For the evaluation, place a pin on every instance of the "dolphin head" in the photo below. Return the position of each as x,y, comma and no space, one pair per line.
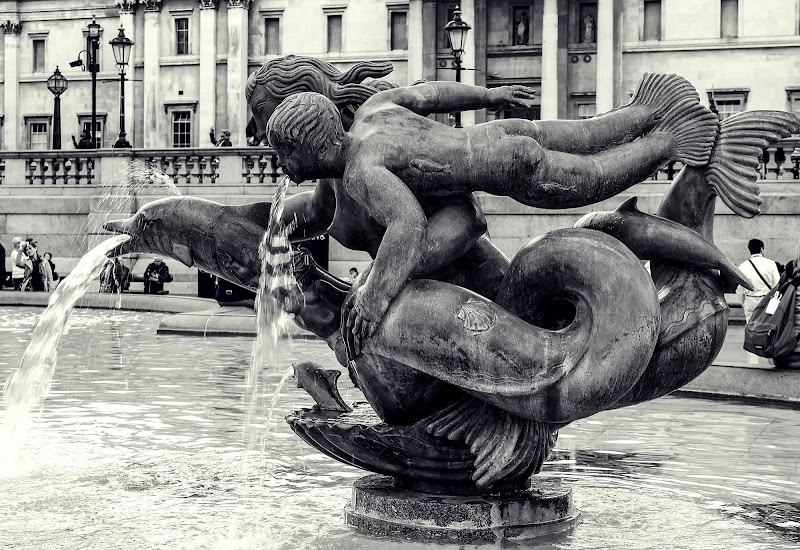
159,227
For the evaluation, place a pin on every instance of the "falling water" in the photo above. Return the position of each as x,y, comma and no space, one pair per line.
30,383
269,347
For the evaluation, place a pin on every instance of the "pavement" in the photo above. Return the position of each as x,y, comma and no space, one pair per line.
730,375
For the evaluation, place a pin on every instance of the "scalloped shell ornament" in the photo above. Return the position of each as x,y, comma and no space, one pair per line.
476,315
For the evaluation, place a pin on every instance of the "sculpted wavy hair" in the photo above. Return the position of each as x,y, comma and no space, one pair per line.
306,117
291,74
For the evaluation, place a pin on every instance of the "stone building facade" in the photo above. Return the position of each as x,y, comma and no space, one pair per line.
191,57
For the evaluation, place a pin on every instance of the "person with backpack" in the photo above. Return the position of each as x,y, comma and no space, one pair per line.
763,276
792,273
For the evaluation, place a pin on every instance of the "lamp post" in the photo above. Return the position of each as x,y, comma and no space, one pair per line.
457,32
57,84
94,37
122,46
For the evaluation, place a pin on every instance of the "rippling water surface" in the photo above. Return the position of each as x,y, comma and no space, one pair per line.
139,445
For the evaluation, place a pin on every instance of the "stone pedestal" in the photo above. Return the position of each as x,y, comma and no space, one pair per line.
381,508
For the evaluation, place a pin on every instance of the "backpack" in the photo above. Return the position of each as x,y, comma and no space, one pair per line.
770,332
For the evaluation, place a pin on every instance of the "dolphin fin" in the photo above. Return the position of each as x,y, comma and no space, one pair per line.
630,205
732,168
183,254
321,385
502,443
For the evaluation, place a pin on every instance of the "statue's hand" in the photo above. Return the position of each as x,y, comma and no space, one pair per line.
513,96
364,311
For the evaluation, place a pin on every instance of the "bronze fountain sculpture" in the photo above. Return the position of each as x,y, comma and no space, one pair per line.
471,362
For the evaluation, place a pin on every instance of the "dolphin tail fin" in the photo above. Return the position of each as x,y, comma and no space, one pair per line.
679,112
734,160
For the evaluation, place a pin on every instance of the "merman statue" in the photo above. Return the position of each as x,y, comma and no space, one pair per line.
467,389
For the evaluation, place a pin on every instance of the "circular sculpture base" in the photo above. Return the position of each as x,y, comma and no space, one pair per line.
379,507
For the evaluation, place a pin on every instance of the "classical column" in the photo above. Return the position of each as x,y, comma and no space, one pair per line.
237,70
608,12
127,20
11,84
415,41
153,109
206,105
430,38
550,60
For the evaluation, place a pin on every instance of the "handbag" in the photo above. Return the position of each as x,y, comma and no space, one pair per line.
770,332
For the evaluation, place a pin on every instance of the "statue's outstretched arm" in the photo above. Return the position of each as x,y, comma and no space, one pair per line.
447,97
311,212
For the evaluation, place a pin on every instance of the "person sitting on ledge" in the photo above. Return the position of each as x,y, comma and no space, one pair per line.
156,274
393,155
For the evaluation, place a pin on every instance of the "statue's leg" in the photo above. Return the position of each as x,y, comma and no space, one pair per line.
657,96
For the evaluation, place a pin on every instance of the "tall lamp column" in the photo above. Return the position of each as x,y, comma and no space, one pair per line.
457,32
122,46
57,84
94,37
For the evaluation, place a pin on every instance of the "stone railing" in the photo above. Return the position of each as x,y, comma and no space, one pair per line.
212,166
781,162
240,166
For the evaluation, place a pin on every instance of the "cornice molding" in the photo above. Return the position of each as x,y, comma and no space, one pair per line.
11,27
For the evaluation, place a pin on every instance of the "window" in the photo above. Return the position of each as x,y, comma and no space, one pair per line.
398,39
85,123
793,96
520,25
335,33
448,14
181,128
38,52
586,110
38,134
729,18
181,36
728,102
652,20
272,36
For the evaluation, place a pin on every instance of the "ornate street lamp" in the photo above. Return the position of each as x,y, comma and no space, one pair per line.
94,37
457,32
57,84
122,46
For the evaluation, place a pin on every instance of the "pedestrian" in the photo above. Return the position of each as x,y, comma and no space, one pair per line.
353,274
49,259
85,142
792,271
763,276
38,277
3,272
18,259
115,276
156,274
224,140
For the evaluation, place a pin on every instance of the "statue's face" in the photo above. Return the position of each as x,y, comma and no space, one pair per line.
297,161
262,107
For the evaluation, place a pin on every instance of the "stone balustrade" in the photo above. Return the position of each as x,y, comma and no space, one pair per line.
212,166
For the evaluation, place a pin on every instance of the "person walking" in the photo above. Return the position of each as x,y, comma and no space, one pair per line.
763,276
39,276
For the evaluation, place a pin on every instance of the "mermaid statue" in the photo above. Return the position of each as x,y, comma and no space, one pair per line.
471,362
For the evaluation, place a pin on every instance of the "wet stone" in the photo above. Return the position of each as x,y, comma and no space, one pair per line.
379,507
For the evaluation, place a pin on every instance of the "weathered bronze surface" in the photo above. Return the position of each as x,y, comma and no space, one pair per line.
470,363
